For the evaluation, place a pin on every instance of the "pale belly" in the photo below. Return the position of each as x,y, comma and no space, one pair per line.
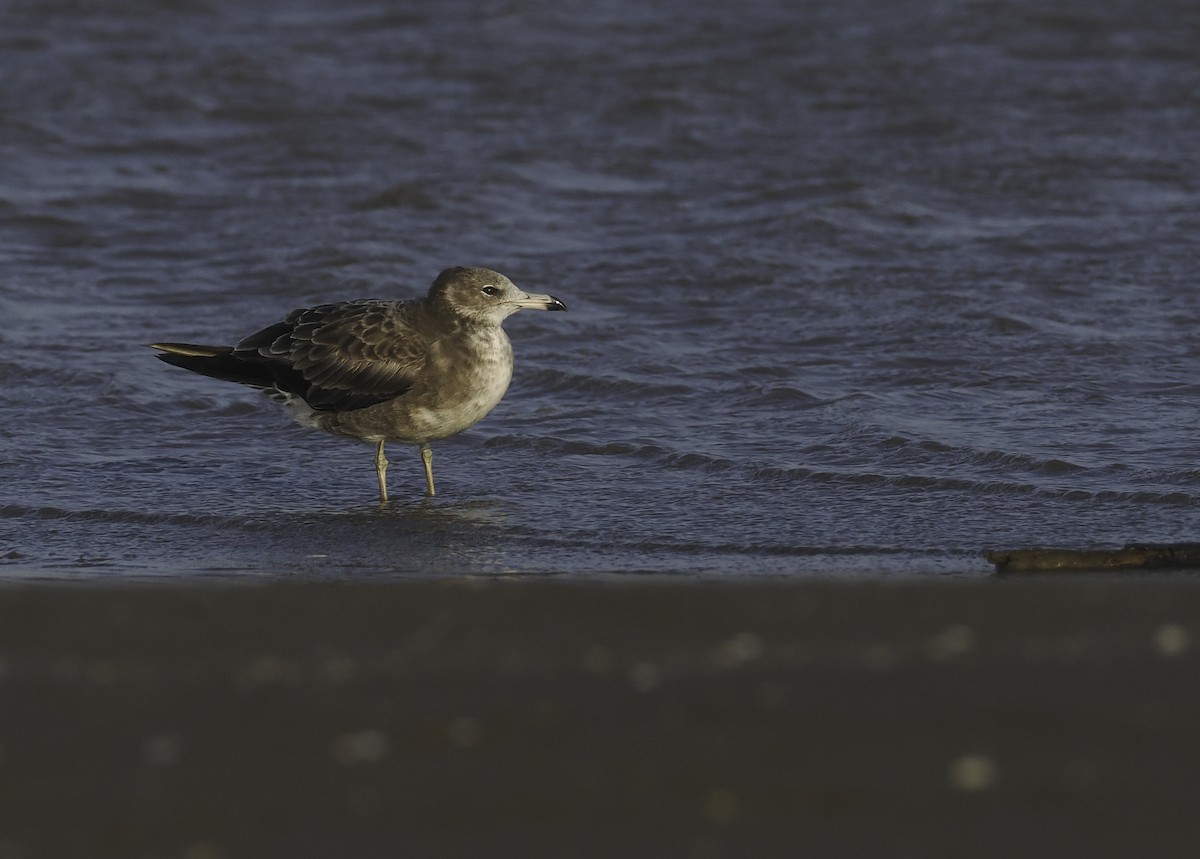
441,414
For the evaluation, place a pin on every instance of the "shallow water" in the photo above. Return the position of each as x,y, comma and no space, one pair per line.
855,288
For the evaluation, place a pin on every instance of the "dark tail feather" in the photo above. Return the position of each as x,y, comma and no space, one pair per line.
218,362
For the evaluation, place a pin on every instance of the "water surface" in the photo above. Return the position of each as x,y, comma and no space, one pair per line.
856,288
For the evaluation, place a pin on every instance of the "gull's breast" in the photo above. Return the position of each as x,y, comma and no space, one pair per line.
464,379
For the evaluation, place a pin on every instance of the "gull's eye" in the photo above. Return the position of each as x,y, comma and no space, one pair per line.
491,290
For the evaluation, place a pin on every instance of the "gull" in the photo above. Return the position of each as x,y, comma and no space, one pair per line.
413,371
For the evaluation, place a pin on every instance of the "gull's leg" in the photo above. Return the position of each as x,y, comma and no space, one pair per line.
381,465
427,459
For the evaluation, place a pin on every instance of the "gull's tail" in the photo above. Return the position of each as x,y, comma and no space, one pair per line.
219,362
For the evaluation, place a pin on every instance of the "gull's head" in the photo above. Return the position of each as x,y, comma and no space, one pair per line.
484,296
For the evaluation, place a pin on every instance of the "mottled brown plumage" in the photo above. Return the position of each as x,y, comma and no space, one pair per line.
410,371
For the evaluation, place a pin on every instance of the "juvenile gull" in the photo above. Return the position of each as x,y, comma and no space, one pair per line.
411,371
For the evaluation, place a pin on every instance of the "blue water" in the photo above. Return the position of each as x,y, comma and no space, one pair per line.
856,289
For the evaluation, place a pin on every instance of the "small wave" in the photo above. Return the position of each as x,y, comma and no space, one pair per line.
117,517
1052,466
563,178
550,444
652,105
908,448
560,380
210,406
146,199
966,485
146,147
53,374
695,548
54,231
402,196
655,453
926,482
778,396
700,461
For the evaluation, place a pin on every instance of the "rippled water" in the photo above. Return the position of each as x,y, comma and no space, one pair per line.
855,287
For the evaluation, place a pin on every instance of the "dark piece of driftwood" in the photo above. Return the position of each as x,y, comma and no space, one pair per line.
1133,556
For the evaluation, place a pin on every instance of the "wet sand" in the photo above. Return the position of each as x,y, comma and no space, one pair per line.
997,717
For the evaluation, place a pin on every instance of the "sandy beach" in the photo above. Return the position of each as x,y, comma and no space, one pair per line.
998,717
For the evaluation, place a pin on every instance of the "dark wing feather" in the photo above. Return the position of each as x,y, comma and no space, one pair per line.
341,357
